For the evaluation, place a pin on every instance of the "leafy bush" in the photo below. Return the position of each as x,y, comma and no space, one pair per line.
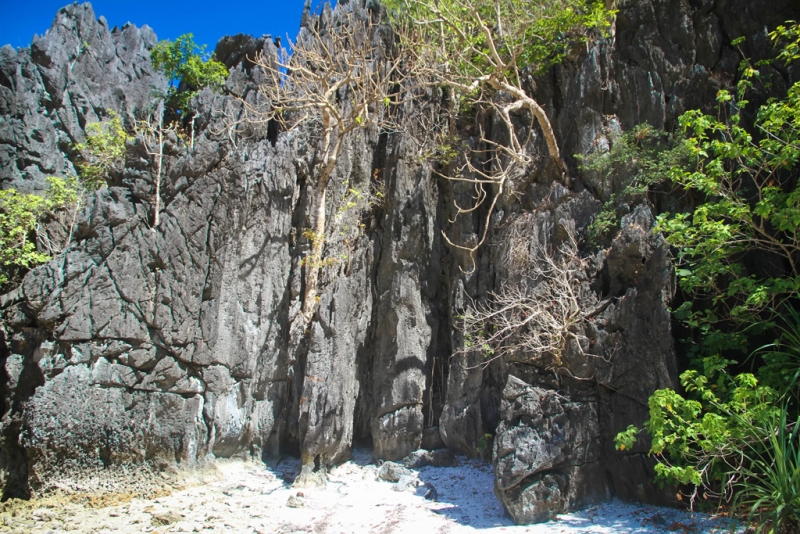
729,437
188,69
747,180
20,215
753,204
736,435
102,152
780,360
769,484
23,244
536,34
638,160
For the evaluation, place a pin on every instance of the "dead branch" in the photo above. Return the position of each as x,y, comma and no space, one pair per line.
153,132
535,316
474,48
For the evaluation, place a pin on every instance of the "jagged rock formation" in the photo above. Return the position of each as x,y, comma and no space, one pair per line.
543,439
66,79
145,343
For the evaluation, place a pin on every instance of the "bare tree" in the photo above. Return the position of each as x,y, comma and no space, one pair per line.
484,52
153,132
338,77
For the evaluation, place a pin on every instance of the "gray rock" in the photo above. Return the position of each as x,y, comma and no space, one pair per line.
406,483
296,501
432,439
165,517
542,440
431,494
310,478
437,458
392,472
68,77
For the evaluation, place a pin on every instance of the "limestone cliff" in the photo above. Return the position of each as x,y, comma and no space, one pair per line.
144,343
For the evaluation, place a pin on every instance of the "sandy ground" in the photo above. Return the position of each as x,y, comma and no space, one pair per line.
238,496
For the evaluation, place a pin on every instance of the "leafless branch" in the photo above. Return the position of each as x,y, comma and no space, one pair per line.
153,132
453,45
534,316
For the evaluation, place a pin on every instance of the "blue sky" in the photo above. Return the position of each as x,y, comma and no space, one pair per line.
21,19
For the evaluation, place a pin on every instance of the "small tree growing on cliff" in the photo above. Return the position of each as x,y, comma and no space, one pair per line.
485,52
154,134
23,243
338,78
102,152
188,70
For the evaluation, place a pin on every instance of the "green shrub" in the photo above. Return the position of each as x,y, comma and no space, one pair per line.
779,361
188,70
734,434
728,437
768,487
20,216
747,181
103,151
637,161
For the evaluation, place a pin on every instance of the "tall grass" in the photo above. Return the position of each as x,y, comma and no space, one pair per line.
768,485
768,480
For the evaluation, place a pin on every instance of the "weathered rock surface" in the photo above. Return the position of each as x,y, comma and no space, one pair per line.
69,77
173,342
546,453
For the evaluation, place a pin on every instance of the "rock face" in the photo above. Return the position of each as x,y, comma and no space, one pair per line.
169,343
69,77
546,453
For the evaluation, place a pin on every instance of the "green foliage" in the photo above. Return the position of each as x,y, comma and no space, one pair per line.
637,160
737,434
449,149
731,436
752,202
698,437
20,215
788,40
484,448
769,487
102,152
536,34
749,182
781,358
627,438
18,220
699,432
188,69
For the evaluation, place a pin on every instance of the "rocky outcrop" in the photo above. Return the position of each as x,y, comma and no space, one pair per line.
69,77
168,343
546,453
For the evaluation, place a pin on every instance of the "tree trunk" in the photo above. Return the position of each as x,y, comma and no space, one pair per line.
159,157
330,151
541,117
314,259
